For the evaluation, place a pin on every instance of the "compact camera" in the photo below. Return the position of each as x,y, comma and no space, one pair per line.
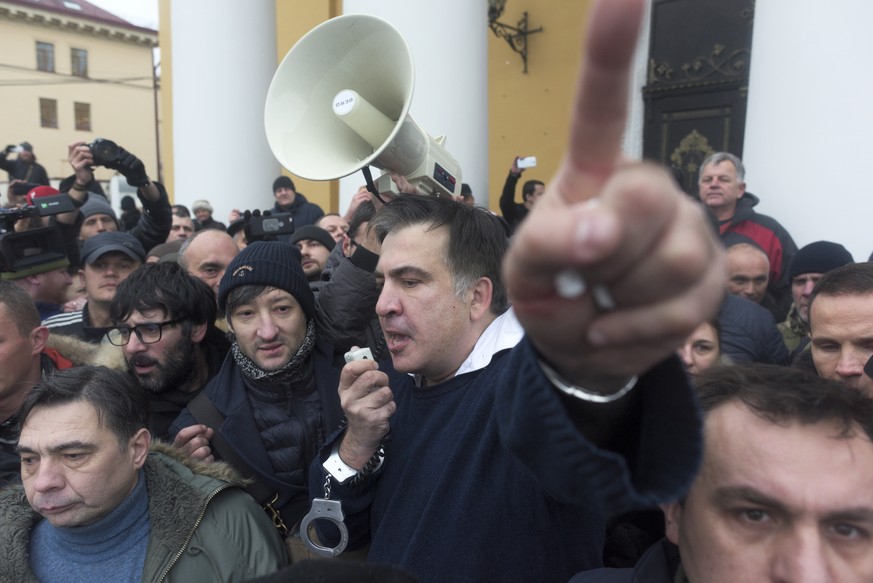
528,162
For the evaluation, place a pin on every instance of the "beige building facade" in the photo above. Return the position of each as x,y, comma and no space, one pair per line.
70,71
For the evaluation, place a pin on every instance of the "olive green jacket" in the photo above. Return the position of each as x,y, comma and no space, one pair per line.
204,527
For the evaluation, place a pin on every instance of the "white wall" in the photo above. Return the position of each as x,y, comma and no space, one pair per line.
810,119
632,144
224,57
449,49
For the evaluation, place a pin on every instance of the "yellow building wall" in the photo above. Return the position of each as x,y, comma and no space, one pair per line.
293,20
122,109
166,109
528,113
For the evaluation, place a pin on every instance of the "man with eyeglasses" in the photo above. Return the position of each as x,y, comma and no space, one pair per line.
276,391
165,325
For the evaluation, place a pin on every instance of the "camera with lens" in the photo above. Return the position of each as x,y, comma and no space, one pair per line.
104,151
267,226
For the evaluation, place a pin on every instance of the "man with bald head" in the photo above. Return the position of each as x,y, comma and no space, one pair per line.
748,269
207,254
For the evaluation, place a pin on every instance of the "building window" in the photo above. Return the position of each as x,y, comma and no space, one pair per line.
79,60
48,112
83,116
45,57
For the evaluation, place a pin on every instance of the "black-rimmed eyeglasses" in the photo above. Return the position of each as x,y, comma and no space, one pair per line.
147,332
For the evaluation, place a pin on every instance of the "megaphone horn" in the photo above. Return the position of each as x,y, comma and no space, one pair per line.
340,101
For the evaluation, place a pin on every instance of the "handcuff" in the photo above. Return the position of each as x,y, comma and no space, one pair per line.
332,511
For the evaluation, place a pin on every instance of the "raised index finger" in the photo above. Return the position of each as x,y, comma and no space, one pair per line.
600,109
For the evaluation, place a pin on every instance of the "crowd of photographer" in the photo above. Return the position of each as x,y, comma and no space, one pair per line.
446,394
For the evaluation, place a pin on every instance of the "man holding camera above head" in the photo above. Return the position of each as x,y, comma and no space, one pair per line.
24,167
531,192
154,224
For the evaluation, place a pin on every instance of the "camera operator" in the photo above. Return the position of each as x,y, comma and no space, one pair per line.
29,218
154,224
24,167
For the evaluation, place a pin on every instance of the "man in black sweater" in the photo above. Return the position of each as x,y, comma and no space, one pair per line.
496,441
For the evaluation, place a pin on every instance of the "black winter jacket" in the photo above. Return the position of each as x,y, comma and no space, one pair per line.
227,392
749,332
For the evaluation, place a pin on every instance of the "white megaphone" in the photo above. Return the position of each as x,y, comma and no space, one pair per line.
339,101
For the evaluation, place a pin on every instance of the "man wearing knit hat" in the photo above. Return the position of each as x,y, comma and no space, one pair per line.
288,200
107,259
805,270
315,245
203,211
841,325
276,393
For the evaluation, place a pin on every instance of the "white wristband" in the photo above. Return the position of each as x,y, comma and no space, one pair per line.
336,467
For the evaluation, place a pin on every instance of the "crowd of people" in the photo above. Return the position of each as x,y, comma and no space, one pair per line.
183,399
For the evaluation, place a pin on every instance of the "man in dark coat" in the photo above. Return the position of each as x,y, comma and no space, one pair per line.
276,391
288,200
164,321
25,166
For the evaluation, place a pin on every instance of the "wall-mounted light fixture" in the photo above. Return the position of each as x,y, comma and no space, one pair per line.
515,36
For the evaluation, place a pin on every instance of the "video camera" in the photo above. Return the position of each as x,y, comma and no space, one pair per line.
24,249
266,226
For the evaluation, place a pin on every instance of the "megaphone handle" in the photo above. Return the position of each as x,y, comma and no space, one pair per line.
371,186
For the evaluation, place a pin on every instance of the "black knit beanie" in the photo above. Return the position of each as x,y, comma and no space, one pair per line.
283,182
314,233
272,263
819,257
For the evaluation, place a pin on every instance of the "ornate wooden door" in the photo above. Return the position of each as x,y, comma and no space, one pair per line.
698,81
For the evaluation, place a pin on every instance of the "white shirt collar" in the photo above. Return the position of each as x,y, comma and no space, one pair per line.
504,332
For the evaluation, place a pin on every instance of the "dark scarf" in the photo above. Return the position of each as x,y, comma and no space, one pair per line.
296,369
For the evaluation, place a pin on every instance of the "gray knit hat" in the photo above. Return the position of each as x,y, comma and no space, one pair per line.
273,263
97,205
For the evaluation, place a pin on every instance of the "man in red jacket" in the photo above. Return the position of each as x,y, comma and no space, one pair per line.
723,191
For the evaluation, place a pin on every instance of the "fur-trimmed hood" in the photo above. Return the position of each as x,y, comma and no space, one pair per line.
77,351
218,470
82,353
